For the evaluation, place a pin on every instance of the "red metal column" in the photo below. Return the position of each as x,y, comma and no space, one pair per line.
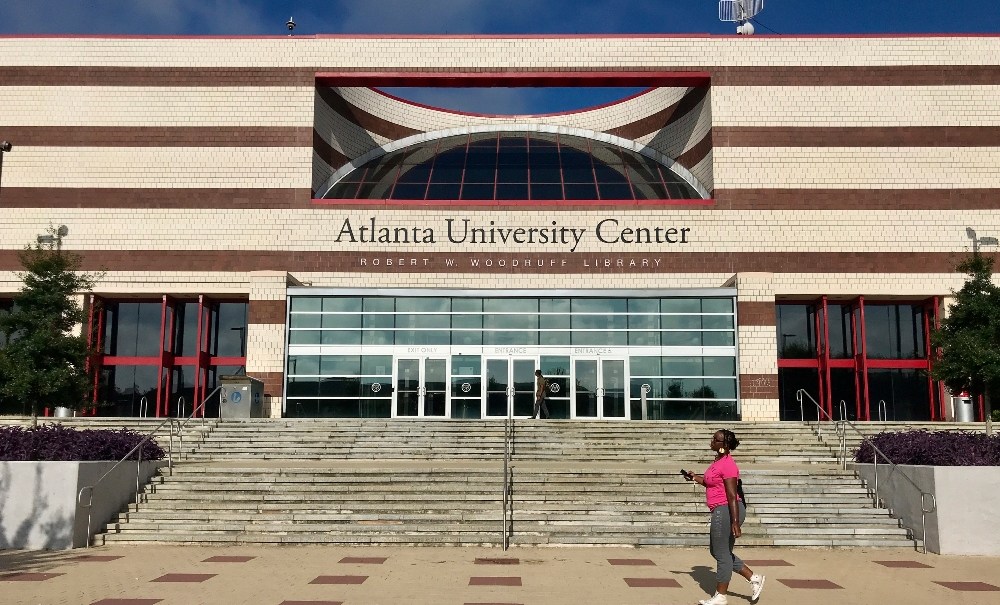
824,362
855,345
863,367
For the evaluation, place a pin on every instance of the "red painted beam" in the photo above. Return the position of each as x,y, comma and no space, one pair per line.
507,79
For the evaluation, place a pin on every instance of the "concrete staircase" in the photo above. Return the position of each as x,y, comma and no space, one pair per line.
432,482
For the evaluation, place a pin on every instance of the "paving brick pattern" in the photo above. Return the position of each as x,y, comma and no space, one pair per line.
146,575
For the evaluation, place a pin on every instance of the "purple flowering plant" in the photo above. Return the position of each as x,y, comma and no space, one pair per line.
51,442
932,448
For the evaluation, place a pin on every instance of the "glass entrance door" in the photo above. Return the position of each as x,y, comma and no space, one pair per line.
599,388
421,388
510,387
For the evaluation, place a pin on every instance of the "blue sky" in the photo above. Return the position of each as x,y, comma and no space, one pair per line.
268,17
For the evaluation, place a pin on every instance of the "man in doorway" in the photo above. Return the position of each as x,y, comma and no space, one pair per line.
541,390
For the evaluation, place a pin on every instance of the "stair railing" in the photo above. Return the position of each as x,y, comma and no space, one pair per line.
89,489
508,471
928,502
883,411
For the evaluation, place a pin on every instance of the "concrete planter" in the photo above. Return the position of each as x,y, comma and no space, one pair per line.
38,501
966,499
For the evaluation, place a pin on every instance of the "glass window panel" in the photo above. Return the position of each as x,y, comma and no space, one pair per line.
609,175
681,339
510,305
340,337
554,305
377,337
500,321
512,174
466,365
643,305
340,386
680,305
841,344
682,366
467,305
303,387
378,365
447,174
331,365
615,191
546,191
382,305
512,191
404,191
305,320
186,340
644,366
649,190
303,337
444,191
480,174
414,174
596,339
545,174
378,321
599,305
478,191
467,322
716,322
681,191
423,305
717,305
577,191
643,322
231,330
343,190
790,380
796,331
341,320
720,366
554,339
719,388
718,339
303,364
510,338
599,322
583,173
306,303
643,339
680,322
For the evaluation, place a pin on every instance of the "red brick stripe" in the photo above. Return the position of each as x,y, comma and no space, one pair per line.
274,382
857,199
58,197
156,76
266,312
166,136
690,158
750,313
830,136
758,386
502,263
333,158
776,75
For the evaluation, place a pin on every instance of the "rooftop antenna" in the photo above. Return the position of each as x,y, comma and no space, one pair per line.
740,12
290,24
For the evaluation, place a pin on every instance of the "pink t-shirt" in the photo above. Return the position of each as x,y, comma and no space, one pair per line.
715,488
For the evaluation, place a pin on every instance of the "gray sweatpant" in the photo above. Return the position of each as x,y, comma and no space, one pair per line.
722,540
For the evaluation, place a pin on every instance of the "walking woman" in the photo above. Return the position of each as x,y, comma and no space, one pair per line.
724,496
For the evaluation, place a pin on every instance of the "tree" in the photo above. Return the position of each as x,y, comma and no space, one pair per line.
967,344
43,362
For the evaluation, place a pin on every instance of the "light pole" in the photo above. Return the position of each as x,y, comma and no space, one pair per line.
5,146
54,236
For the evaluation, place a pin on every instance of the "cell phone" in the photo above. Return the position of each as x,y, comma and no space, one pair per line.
686,474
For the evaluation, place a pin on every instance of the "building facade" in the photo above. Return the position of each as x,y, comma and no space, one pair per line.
770,216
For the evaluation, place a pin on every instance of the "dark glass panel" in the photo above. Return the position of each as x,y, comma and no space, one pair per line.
904,392
186,329
644,366
409,192
681,339
340,337
545,174
376,365
615,191
894,331
339,365
643,339
340,386
790,380
415,174
843,388
344,190
304,337
377,337
681,322
306,304
478,191
546,191
719,388
133,329
231,330
649,190
512,174
512,191
444,191
581,191
599,339
796,331
717,305
682,366
717,339
841,343
599,305
379,305
480,174
719,366
681,305
303,364
341,320
423,305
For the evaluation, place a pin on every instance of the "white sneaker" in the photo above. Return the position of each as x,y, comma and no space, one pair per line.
717,599
757,583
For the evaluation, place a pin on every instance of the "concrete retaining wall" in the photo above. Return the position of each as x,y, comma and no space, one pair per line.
965,518
38,501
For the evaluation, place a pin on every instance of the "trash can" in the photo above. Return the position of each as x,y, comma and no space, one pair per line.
962,408
241,397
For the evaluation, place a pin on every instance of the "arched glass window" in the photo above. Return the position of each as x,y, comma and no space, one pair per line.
513,166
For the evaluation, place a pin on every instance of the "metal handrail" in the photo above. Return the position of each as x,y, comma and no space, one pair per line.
843,410
883,411
877,502
143,407
89,489
508,471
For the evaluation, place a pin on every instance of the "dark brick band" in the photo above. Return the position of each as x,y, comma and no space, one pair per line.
829,136
856,199
266,312
512,264
755,313
163,136
758,386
